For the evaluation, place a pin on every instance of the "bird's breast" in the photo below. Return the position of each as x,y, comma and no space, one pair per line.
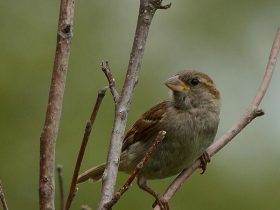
187,136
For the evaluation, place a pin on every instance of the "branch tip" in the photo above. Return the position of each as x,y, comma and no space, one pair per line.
85,207
87,132
59,168
157,4
103,91
167,6
259,112
111,80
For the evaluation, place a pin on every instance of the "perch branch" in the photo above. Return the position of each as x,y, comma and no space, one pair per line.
146,12
87,132
111,80
137,170
253,112
52,118
2,198
61,186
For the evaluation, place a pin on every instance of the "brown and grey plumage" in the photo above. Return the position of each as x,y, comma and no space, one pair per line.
190,118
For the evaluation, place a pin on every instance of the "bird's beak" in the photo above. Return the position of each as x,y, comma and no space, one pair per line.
175,84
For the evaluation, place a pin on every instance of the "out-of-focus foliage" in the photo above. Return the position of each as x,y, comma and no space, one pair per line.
229,40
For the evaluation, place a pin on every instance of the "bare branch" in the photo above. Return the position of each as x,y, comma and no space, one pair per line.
61,186
2,198
269,70
111,80
137,170
52,118
146,12
87,132
252,113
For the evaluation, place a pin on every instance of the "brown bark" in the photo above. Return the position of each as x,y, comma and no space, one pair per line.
52,119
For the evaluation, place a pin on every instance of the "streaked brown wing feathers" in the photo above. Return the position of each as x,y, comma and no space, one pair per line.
147,126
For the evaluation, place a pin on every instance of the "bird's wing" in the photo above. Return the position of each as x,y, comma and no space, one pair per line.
147,126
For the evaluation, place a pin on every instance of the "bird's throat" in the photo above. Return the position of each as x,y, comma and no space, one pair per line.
180,101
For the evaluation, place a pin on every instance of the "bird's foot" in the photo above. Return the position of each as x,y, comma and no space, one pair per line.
163,204
204,159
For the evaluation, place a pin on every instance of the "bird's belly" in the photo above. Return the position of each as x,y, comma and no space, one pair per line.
171,157
182,145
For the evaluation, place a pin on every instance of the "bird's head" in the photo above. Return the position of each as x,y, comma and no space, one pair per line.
193,89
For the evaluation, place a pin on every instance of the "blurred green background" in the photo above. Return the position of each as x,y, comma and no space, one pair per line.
229,40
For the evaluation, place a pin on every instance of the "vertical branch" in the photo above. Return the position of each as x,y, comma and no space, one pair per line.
146,12
2,198
52,118
87,132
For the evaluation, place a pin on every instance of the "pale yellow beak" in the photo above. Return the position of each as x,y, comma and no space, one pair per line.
175,84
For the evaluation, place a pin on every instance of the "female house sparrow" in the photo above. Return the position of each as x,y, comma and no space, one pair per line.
190,118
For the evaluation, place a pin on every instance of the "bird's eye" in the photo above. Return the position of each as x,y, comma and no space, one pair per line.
194,81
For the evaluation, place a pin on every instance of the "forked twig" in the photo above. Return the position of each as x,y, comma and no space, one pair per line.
253,112
145,16
87,132
111,80
137,170
2,198
61,186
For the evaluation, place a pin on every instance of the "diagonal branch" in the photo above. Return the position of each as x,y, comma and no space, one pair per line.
52,118
111,80
2,198
146,12
87,132
253,112
137,170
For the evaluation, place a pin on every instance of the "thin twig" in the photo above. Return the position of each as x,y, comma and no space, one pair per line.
146,12
137,170
111,80
2,198
87,132
61,186
253,112
52,118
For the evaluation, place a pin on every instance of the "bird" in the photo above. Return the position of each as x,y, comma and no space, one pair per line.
190,117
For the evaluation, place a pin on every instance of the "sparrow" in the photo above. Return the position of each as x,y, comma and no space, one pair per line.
190,117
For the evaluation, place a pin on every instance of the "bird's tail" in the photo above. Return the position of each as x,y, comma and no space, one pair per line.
94,174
